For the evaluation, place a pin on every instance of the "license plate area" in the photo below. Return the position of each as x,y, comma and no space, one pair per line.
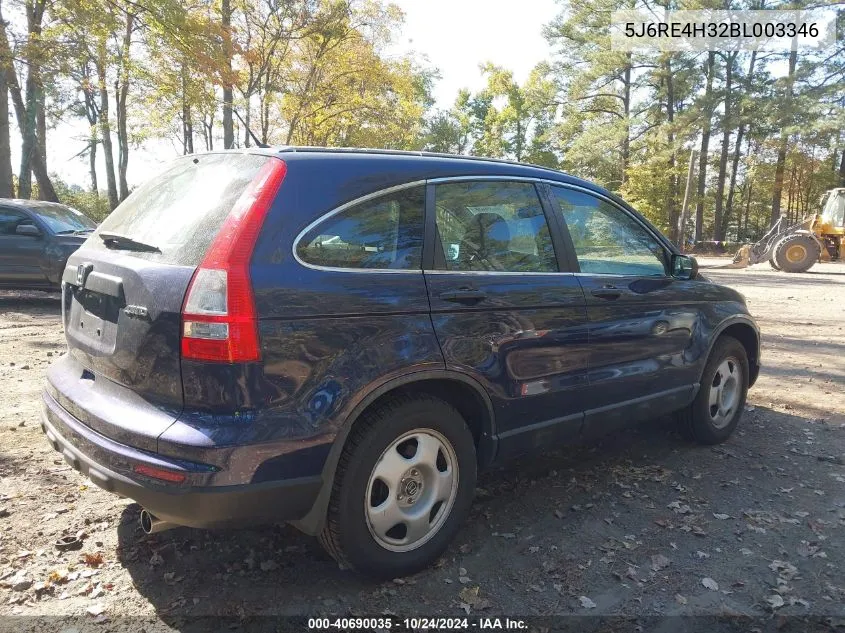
93,319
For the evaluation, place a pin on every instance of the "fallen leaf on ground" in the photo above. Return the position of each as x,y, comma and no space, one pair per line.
721,516
96,609
93,560
470,597
711,584
658,562
775,601
586,602
58,576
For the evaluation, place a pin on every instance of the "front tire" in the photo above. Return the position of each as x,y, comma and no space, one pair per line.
403,487
718,406
796,253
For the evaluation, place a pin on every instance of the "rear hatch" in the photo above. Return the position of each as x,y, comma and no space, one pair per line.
123,293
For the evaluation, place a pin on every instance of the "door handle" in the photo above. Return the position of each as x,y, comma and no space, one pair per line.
464,295
608,292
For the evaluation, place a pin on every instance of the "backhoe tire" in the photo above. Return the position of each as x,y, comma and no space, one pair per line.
796,253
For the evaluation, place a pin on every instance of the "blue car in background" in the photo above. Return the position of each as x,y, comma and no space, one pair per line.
36,239
341,339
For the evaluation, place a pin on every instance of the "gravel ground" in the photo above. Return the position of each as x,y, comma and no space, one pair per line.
642,525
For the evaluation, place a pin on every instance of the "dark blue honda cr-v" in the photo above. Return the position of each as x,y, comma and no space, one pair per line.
341,339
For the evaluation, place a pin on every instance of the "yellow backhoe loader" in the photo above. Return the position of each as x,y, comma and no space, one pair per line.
794,249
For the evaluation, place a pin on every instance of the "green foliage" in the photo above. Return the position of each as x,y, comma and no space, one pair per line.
94,205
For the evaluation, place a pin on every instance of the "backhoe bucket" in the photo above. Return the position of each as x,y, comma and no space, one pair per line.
742,259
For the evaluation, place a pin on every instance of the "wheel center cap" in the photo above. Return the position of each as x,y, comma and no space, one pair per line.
410,487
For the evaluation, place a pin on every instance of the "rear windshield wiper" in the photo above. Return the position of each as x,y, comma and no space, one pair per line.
116,240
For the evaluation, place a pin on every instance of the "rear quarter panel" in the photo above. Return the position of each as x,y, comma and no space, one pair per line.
330,338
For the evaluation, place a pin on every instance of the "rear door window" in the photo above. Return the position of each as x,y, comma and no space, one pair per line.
384,232
181,210
493,226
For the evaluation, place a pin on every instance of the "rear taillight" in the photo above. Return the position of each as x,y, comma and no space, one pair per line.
219,322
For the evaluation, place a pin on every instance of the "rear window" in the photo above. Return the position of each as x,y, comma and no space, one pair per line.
181,210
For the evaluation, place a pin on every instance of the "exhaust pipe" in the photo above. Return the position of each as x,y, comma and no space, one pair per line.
151,524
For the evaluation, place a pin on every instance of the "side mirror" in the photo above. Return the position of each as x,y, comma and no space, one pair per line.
684,267
30,230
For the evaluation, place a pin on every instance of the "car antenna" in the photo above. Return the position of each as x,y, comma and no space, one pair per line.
254,137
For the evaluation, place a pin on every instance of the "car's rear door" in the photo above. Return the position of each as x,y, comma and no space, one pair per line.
505,308
641,320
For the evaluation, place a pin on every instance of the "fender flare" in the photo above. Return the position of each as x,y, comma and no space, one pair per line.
799,232
313,522
736,319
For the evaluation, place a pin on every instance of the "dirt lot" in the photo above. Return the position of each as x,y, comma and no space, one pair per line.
642,525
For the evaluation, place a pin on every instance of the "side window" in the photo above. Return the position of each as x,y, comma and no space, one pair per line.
10,220
606,239
495,226
383,232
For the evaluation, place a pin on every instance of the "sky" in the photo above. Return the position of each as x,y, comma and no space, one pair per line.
459,35
455,35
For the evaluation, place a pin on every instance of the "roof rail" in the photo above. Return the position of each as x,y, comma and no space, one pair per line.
399,152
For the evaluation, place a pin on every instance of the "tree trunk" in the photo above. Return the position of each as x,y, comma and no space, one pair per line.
29,132
92,165
228,127
790,195
739,136
671,199
246,121
208,131
121,93
720,223
33,146
705,146
842,169
187,122
105,126
7,187
45,187
92,115
777,191
626,106
742,222
41,125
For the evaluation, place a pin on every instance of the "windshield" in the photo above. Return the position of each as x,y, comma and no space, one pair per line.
834,209
62,219
179,212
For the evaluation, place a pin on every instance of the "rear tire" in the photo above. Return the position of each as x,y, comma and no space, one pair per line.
796,253
403,487
718,406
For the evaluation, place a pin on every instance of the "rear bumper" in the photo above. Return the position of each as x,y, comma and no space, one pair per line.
195,506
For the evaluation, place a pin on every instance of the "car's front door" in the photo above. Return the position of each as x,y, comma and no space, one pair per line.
20,255
505,309
642,321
